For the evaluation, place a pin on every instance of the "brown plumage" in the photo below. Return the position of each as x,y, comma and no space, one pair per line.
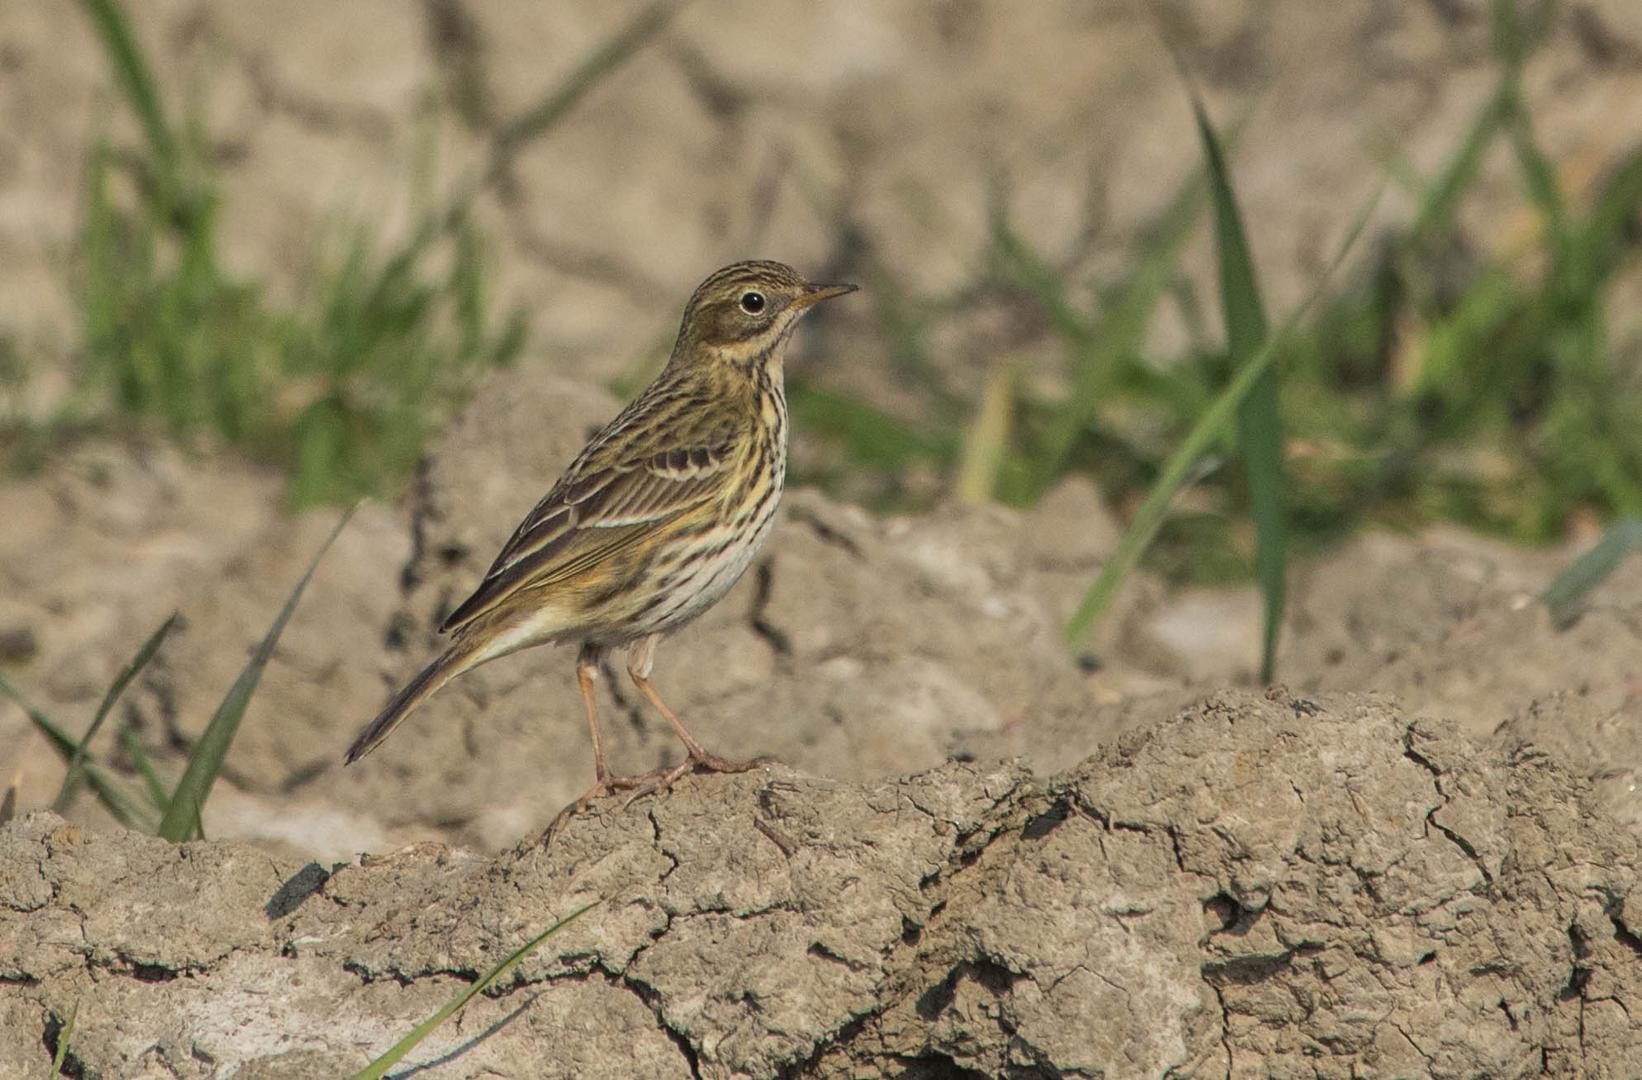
656,518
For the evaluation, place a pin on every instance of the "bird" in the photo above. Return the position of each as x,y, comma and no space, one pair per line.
651,524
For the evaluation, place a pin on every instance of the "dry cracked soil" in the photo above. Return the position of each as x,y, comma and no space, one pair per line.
981,855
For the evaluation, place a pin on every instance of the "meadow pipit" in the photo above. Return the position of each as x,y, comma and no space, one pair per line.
653,522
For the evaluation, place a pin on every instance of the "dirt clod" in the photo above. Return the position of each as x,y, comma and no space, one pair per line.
1238,889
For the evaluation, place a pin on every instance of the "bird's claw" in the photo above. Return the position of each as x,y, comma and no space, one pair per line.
653,782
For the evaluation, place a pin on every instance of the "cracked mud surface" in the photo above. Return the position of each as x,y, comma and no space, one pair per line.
1258,885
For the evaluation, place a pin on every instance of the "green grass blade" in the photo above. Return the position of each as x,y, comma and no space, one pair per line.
1538,174
137,80
187,802
1614,206
152,785
379,1068
986,442
1437,210
63,1038
1565,596
125,807
1181,462
121,681
1259,418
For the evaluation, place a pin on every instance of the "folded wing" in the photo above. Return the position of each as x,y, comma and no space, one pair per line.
595,512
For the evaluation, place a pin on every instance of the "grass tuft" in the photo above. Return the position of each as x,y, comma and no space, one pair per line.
342,388
127,807
1181,463
344,385
151,808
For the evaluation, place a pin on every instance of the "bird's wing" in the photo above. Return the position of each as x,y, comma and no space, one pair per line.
604,504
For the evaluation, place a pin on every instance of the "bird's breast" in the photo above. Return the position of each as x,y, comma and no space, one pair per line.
714,548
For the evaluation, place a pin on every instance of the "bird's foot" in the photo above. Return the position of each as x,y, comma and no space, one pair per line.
659,780
603,788
655,781
607,786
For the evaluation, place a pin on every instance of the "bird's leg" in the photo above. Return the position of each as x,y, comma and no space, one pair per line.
639,662
638,668
587,675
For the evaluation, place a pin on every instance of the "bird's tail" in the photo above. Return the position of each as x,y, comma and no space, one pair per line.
457,659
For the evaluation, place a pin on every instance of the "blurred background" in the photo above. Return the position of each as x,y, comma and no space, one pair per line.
305,238
254,264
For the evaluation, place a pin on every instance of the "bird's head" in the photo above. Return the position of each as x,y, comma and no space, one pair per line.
744,314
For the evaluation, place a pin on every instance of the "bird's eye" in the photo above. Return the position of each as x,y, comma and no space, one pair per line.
752,302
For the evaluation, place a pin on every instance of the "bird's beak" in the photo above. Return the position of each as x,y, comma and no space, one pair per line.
814,294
